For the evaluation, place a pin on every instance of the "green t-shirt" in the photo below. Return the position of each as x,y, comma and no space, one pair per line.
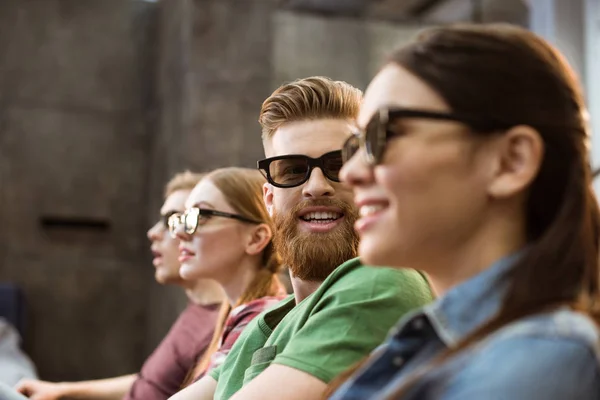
333,328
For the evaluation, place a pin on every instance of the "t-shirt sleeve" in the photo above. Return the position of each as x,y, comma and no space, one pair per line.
215,373
352,318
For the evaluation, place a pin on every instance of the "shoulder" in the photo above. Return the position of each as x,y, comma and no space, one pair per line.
560,327
248,311
8,334
194,327
550,356
358,280
195,318
256,306
352,272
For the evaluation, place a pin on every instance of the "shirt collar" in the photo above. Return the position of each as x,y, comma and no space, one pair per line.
469,305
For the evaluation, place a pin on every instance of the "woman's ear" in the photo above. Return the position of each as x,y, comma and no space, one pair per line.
520,157
258,239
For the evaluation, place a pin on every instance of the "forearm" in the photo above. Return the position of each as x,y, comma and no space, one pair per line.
204,389
282,382
101,389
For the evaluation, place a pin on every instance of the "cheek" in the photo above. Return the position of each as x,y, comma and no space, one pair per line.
345,193
425,168
214,250
285,199
170,249
434,199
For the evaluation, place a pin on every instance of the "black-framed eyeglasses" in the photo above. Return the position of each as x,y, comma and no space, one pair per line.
294,169
164,218
195,216
374,137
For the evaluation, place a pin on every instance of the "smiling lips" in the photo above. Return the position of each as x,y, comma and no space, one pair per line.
370,209
185,254
321,216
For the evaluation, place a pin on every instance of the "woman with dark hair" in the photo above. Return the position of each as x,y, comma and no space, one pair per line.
471,164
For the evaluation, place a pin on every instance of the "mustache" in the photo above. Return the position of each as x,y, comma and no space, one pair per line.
313,256
334,203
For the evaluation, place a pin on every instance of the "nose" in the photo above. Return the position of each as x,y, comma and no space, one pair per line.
356,171
181,234
155,232
318,185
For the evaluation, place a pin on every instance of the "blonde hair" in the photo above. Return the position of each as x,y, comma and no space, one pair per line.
308,98
185,180
242,187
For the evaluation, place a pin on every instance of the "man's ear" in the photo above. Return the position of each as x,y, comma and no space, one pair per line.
520,155
259,238
268,197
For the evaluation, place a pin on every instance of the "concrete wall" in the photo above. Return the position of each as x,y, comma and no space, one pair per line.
218,61
101,101
74,146
342,48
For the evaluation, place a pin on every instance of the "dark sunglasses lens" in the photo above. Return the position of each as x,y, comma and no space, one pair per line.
372,139
332,164
350,148
289,171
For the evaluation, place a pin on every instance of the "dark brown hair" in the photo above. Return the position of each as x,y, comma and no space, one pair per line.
513,77
242,187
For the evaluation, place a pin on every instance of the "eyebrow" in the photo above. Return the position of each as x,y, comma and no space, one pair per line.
164,214
201,203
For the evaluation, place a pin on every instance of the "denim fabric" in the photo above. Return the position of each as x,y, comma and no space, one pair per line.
553,355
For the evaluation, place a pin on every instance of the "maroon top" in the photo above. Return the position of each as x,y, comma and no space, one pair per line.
167,367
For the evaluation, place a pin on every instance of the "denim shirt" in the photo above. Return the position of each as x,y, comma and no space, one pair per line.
553,355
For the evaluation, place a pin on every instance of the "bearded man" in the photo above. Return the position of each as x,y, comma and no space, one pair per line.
340,310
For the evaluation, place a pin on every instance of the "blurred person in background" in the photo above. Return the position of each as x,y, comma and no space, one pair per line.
472,164
165,370
14,363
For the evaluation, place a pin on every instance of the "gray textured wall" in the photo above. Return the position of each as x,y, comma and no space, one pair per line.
74,144
101,101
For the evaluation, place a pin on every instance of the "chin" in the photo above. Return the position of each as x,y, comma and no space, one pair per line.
371,252
188,272
367,253
165,278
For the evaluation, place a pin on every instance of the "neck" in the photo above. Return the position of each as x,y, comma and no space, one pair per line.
236,284
204,292
492,243
303,289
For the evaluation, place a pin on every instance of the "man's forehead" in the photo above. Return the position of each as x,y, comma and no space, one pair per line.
309,137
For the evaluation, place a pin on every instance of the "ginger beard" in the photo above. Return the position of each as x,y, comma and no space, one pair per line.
312,256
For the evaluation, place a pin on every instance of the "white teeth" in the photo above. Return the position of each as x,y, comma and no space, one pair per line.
365,211
321,215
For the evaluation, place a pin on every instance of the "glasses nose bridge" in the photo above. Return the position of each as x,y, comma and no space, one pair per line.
315,163
317,186
177,225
